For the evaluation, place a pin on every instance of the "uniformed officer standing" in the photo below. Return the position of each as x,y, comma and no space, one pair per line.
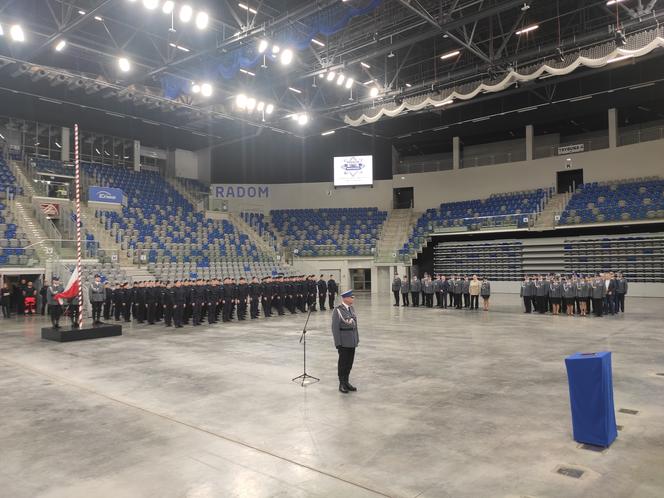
280,294
254,296
415,289
54,306
526,294
266,297
108,300
621,292
332,291
167,303
598,292
446,291
242,298
396,288
346,339
405,290
97,296
228,300
150,291
322,293
458,292
312,290
427,287
127,296
179,302
438,290
465,290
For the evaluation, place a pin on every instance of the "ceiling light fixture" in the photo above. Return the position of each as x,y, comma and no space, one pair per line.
60,46
286,57
186,13
365,65
168,7
206,89
247,8
124,64
269,109
16,32
373,93
262,46
325,133
349,83
317,42
241,101
195,88
295,90
202,20
528,29
341,79
330,76
302,119
150,4
450,55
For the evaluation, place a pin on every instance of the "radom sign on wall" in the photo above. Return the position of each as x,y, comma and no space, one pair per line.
221,191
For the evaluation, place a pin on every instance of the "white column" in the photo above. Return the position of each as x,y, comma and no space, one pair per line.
456,152
64,141
613,128
137,155
530,135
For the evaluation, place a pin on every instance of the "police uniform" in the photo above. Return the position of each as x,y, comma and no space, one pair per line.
179,303
54,306
427,289
415,289
621,292
405,289
97,296
168,301
346,339
332,291
526,294
254,296
396,288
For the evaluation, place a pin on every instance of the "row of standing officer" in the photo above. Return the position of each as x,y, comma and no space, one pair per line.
196,300
459,291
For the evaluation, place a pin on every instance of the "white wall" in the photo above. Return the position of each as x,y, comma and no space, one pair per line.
431,189
186,164
630,161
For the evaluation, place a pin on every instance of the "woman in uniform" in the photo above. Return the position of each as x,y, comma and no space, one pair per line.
555,296
485,292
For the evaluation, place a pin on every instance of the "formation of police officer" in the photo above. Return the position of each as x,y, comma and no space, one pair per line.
196,301
456,291
575,294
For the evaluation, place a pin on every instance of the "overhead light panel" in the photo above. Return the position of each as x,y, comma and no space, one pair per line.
366,83
150,4
206,89
374,92
247,8
303,119
168,7
408,85
195,88
124,64
613,2
341,79
349,83
241,101
16,32
449,55
286,57
276,49
317,42
82,12
269,109
330,76
60,46
99,19
260,107
325,133
202,20
251,104
365,65
262,46
186,13
244,71
528,29
294,90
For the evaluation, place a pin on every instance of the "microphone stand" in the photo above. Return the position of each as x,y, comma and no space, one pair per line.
305,378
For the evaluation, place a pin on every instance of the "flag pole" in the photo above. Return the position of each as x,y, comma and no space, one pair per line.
78,226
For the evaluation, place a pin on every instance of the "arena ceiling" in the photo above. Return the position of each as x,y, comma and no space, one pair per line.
400,49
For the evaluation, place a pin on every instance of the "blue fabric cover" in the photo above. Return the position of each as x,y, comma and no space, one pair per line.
591,398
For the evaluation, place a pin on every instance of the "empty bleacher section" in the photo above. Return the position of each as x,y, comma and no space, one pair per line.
330,231
639,257
495,260
8,184
13,241
161,228
259,223
498,211
616,201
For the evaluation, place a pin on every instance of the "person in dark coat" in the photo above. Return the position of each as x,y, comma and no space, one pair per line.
179,303
526,293
242,298
346,339
485,292
621,292
254,297
54,306
6,298
405,290
415,289
332,291
96,295
42,299
168,303
108,300
322,293
396,288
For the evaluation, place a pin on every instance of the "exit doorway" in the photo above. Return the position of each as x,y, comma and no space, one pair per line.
403,198
569,180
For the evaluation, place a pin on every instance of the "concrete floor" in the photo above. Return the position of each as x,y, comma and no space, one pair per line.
450,403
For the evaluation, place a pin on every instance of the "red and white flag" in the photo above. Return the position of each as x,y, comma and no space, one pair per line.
71,290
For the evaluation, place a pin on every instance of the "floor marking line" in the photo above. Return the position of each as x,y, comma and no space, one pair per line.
68,382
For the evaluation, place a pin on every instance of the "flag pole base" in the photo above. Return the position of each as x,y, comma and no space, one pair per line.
69,334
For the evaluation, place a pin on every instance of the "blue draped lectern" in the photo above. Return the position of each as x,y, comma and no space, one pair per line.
591,398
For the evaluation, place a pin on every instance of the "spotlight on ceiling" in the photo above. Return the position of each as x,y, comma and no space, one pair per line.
16,32
341,79
186,13
241,101
124,64
168,7
302,119
206,89
365,65
260,107
349,83
373,93
151,4
276,49
269,109
202,20
195,88
286,57
449,55
262,46
60,46
251,104
330,76
527,30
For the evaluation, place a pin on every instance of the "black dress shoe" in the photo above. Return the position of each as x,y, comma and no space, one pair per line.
350,387
342,388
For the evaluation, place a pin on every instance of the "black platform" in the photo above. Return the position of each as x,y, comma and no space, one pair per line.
67,334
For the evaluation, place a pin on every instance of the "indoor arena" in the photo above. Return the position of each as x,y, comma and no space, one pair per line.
331,248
